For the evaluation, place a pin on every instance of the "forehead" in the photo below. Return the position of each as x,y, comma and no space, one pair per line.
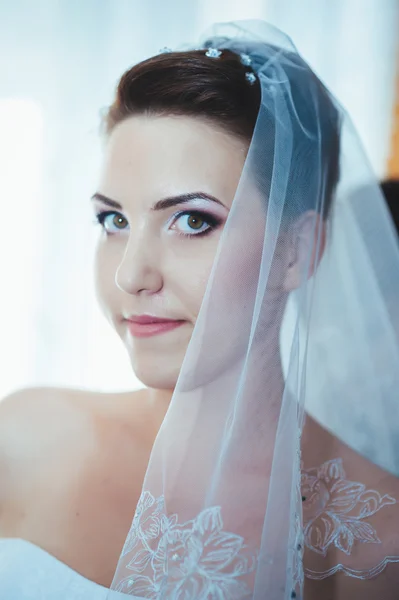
168,154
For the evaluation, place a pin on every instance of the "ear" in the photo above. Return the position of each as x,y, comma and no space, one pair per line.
306,249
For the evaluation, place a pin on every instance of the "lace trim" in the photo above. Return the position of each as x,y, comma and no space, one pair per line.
377,570
196,559
334,510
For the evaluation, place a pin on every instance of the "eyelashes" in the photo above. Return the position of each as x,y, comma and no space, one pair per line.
195,223
118,221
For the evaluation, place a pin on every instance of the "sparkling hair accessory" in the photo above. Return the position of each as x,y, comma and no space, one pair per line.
250,77
244,58
213,53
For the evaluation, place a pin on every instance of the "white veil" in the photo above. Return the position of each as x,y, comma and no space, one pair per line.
281,390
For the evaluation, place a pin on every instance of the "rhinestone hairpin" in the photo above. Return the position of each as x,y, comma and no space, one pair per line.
245,59
165,50
213,53
251,77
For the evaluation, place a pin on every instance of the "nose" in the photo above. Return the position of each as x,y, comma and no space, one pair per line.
139,272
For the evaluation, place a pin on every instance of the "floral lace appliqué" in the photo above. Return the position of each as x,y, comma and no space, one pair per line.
335,509
196,559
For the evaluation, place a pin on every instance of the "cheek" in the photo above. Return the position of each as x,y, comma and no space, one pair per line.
241,267
105,267
228,312
188,277
236,276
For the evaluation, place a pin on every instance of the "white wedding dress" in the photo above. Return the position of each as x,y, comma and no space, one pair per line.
29,573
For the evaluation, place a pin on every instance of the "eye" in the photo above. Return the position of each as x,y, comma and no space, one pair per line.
194,223
112,221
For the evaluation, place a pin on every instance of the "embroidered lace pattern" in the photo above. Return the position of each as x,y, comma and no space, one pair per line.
334,514
196,559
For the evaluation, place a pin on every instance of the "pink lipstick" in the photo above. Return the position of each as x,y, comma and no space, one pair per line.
148,325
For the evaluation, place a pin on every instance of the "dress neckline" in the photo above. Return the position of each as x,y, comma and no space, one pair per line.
31,547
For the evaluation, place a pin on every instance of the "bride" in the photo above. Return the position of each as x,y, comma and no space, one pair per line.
253,287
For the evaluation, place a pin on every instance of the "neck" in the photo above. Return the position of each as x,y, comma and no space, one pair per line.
157,402
267,338
159,398
266,343
260,408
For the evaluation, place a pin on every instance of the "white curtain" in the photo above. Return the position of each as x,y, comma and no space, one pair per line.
59,63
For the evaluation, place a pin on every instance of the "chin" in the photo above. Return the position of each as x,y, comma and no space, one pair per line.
157,376
157,363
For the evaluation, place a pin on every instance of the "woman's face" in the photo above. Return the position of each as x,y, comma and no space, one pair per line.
165,191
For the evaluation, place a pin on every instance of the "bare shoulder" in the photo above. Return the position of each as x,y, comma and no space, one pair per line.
43,431
40,423
41,415
58,449
39,418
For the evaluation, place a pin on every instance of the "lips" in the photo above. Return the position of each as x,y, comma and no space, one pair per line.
148,319
149,325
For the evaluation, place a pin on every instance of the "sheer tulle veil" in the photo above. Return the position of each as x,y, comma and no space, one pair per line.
223,512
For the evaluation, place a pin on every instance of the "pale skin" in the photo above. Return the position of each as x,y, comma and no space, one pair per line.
78,504
64,454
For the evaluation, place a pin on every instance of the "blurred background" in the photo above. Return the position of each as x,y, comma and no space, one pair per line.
59,64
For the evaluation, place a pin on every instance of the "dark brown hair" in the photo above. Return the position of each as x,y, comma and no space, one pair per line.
191,84
216,89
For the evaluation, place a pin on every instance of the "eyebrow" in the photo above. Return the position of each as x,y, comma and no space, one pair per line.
164,203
